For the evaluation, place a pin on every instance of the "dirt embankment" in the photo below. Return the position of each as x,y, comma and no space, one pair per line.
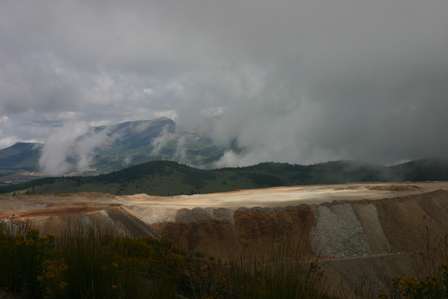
328,221
250,231
357,230
338,229
362,241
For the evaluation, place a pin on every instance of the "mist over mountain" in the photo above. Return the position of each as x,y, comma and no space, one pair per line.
84,150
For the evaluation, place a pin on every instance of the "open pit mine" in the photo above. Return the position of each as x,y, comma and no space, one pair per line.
357,232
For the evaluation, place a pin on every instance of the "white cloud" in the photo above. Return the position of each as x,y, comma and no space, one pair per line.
171,114
7,141
65,151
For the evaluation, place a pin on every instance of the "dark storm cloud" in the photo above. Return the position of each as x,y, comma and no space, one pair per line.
296,81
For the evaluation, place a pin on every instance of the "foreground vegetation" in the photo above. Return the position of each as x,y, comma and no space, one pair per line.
92,263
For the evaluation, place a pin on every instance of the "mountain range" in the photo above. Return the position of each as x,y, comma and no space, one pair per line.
20,156
171,178
157,157
111,148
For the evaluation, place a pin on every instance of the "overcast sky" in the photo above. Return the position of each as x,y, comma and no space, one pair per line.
291,80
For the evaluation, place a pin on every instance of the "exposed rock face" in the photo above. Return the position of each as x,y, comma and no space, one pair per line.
367,214
369,232
329,230
261,230
113,219
330,222
360,243
338,232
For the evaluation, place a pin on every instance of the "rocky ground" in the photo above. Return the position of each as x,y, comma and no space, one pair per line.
359,232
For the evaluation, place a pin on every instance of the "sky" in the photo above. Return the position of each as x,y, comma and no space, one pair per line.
295,81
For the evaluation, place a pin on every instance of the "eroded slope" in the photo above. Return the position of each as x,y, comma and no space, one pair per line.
359,229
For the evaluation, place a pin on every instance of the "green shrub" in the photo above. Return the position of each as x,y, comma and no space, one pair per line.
22,256
92,263
263,280
431,287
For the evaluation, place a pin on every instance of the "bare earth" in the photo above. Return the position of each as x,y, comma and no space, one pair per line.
369,231
153,209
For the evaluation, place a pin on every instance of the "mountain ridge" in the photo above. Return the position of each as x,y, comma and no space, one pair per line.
117,146
171,178
20,156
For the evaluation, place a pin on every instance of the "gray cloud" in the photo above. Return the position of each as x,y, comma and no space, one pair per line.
70,149
297,81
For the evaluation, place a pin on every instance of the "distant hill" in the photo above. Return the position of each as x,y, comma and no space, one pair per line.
20,156
136,142
122,145
422,170
171,178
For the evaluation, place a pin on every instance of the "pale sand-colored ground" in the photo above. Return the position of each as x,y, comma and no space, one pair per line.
281,196
157,208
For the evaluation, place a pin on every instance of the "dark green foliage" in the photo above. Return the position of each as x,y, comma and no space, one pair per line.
86,263
423,170
431,287
266,180
171,178
275,278
22,255
91,263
